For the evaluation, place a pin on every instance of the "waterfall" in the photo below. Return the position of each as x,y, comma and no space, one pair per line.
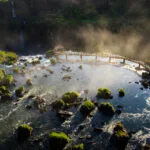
21,40
13,9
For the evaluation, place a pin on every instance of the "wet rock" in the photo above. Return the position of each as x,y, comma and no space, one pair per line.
146,75
89,136
28,106
145,83
82,126
45,75
118,112
98,130
119,106
31,96
66,78
141,88
29,82
62,113
136,82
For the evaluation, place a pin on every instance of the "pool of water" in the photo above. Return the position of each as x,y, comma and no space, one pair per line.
136,103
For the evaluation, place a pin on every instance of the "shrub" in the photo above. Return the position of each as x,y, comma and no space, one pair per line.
107,109
49,53
53,61
24,131
120,136
78,147
4,93
35,62
7,58
87,107
58,104
70,97
104,93
19,92
16,70
58,140
121,92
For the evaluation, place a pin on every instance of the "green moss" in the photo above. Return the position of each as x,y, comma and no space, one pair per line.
24,131
29,82
8,58
8,80
2,75
107,109
70,97
53,61
5,93
87,107
121,92
35,62
49,53
78,147
16,70
104,93
58,104
19,92
58,140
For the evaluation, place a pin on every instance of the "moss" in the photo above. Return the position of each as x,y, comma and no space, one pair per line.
24,131
49,53
80,67
8,58
58,140
2,75
16,70
58,104
53,61
29,82
87,107
5,93
107,109
19,92
121,92
78,147
8,80
70,97
26,64
50,71
35,62
104,93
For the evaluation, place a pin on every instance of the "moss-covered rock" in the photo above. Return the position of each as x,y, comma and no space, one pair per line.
121,92
8,80
104,93
5,93
81,67
58,140
24,131
8,58
120,136
53,61
78,147
16,70
58,104
107,109
2,75
20,91
70,97
49,53
35,62
29,82
87,107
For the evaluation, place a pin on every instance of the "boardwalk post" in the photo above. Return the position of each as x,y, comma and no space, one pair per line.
109,59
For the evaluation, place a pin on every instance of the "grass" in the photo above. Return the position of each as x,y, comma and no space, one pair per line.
78,147
87,107
24,131
104,93
121,92
70,97
107,109
8,58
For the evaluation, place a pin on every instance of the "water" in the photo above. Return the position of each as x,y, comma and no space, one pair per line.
13,9
136,104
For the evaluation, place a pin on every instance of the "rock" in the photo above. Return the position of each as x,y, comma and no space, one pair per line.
144,83
28,106
119,106
98,130
146,75
81,127
64,113
118,112
66,77
45,75
89,137
141,88
136,82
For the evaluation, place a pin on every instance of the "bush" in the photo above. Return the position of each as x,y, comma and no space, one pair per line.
24,131
121,92
19,92
78,147
87,107
104,93
8,58
35,62
58,104
58,140
16,70
120,136
70,97
49,53
4,93
53,61
107,109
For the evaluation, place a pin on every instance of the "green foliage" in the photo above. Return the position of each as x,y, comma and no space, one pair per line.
58,140
58,104
49,53
53,61
19,92
121,92
107,109
7,58
24,131
4,93
16,70
79,147
70,97
35,62
104,93
8,80
87,107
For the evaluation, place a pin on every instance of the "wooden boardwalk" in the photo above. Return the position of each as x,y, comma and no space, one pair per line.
109,56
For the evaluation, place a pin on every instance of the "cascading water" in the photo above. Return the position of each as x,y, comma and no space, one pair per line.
22,46
13,9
